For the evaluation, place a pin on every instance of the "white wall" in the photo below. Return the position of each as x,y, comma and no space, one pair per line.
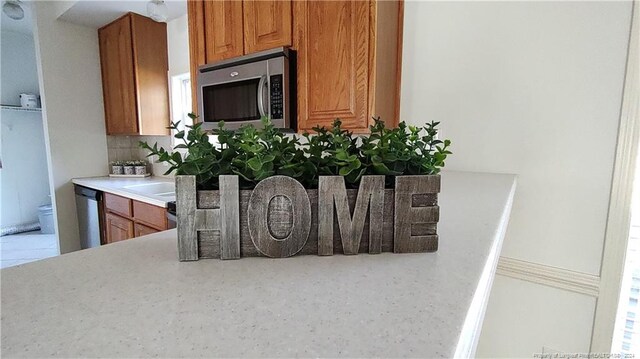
18,67
178,46
69,68
532,88
24,175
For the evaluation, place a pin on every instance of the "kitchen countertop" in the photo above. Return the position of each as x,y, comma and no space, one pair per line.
135,299
117,185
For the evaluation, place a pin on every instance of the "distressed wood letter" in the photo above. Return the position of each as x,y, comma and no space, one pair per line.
409,219
191,219
186,217
332,190
229,218
271,197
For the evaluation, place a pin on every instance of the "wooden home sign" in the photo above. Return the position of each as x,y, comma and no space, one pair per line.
280,218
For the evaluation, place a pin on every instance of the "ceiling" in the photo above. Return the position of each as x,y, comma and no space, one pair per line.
95,14
24,26
91,13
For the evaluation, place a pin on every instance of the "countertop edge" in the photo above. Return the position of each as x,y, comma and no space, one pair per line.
472,327
97,183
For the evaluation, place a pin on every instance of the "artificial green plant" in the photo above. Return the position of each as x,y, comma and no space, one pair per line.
257,153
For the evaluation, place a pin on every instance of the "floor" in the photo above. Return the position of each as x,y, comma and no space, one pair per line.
26,247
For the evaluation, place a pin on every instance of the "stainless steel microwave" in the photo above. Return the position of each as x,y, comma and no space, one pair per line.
242,90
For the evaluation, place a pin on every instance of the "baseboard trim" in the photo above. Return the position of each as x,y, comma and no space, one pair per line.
577,282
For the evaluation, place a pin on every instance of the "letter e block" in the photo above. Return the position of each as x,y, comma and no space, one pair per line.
415,225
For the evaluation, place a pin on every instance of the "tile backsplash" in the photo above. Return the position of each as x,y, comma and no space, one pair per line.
123,148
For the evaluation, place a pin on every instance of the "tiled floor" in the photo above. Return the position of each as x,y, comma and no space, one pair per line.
26,247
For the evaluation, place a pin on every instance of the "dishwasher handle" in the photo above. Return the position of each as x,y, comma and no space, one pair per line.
88,192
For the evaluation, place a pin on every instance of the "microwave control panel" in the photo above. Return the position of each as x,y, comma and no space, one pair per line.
277,96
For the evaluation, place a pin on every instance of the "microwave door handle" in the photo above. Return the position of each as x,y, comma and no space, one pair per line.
261,85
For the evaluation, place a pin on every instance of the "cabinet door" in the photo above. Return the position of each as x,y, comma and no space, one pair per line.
267,24
117,204
150,215
197,50
332,40
151,64
118,84
118,228
223,29
141,230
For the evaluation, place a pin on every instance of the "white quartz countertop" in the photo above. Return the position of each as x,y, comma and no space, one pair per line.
135,299
119,186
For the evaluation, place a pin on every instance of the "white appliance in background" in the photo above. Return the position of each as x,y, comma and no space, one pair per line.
29,100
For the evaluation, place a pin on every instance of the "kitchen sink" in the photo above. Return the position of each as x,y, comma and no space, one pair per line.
163,189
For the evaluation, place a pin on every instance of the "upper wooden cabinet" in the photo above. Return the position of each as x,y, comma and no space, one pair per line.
134,62
222,29
267,24
348,58
118,83
349,53
332,43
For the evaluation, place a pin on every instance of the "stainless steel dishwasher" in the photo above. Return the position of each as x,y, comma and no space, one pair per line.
89,207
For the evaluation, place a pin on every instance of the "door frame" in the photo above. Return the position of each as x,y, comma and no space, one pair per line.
619,217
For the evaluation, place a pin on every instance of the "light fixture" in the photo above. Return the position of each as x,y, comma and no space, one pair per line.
157,10
13,9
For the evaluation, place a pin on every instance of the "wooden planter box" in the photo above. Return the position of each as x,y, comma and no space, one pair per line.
280,218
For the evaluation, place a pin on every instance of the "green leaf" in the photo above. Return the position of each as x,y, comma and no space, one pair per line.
176,157
254,164
190,168
345,171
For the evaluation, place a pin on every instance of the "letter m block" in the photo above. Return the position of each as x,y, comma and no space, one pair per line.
331,190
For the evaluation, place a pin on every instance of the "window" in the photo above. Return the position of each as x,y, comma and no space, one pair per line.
633,302
181,101
635,291
626,346
627,334
631,315
628,324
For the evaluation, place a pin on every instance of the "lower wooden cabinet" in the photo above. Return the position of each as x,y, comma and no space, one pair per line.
150,215
118,205
126,218
142,230
118,228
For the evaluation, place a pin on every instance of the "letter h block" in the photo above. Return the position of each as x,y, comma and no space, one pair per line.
191,219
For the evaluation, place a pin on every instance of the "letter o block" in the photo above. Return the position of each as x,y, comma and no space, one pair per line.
258,215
